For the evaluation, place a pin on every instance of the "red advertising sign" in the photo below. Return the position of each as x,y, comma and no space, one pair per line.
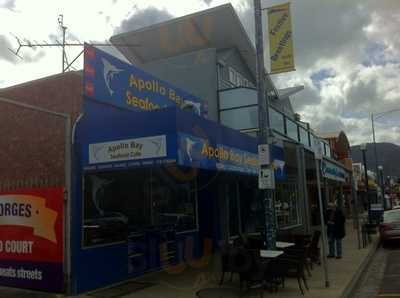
31,238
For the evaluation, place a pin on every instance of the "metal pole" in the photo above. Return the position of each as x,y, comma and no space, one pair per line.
263,125
366,185
376,157
382,183
323,229
67,198
355,206
63,49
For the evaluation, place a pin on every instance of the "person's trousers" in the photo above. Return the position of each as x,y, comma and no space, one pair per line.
335,246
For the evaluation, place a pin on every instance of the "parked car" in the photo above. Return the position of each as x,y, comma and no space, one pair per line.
389,229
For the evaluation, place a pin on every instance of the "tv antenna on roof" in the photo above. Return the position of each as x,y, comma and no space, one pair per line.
65,64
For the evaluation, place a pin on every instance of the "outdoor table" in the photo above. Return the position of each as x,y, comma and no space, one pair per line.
218,293
254,234
283,245
270,253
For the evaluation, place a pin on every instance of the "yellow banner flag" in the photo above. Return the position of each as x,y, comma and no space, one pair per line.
280,38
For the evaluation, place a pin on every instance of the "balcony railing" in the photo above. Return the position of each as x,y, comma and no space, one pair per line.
238,109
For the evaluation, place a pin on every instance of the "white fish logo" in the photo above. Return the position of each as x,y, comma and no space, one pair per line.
109,71
279,164
158,143
194,106
189,148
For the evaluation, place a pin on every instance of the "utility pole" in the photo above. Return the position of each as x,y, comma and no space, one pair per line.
63,28
264,135
373,118
363,148
376,158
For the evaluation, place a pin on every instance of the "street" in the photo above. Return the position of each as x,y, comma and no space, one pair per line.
381,278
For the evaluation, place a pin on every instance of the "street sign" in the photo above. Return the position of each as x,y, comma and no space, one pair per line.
266,179
376,207
263,155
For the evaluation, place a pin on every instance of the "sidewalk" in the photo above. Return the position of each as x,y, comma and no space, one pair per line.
184,283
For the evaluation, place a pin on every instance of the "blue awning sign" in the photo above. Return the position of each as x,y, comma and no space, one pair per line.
199,152
166,136
113,81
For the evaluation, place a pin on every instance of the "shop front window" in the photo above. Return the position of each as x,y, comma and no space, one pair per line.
233,210
118,203
286,203
173,204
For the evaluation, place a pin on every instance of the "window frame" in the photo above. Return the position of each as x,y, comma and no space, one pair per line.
86,247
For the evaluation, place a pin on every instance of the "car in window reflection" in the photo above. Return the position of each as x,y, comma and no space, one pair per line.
180,221
109,228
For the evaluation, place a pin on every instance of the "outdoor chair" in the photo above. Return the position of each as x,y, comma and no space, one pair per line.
302,240
314,252
299,263
250,268
291,266
302,252
285,237
226,250
276,273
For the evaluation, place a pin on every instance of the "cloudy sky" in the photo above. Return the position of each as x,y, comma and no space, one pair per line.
347,52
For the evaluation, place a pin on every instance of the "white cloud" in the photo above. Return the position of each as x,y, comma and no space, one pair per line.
356,42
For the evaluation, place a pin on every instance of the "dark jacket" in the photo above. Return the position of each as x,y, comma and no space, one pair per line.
335,222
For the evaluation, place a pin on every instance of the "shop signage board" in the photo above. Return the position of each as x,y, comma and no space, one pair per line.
113,81
31,239
331,171
128,149
200,153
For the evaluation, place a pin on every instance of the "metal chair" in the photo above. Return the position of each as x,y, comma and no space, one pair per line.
296,259
226,251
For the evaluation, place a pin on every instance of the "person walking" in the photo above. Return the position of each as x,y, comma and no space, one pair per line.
335,230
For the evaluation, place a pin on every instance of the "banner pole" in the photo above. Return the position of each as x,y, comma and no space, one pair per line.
267,192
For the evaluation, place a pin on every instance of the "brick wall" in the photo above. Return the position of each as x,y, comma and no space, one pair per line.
32,143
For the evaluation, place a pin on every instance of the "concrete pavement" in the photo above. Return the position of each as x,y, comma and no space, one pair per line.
343,275
185,281
390,285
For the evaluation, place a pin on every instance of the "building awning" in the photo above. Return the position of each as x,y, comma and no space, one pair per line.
218,27
113,139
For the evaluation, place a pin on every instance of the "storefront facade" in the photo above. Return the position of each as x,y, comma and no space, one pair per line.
153,189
